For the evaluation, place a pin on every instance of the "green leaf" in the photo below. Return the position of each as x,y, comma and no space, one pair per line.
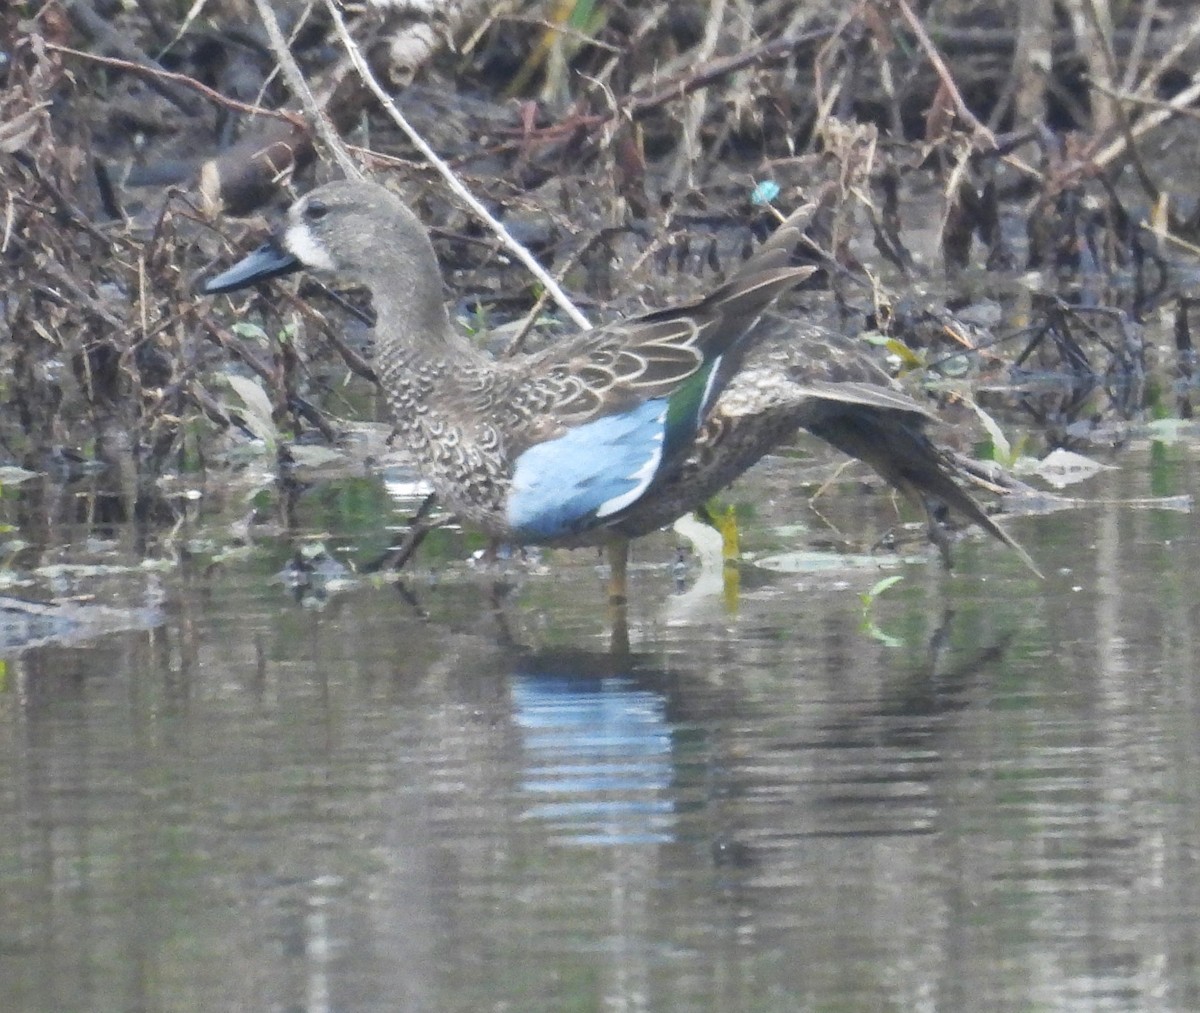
876,633
1000,445
868,624
908,358
245,329
884,584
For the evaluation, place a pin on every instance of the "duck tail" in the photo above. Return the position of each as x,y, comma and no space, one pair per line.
907,459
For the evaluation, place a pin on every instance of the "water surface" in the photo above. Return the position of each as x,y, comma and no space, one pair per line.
452,796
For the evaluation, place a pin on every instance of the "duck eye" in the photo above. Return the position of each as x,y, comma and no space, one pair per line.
315,210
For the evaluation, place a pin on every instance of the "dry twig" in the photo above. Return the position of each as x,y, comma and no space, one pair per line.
444,170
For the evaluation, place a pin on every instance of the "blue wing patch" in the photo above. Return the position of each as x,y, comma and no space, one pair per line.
567,485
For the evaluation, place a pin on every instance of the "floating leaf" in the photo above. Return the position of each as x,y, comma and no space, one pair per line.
707,542
1168,430
258,408
10,474
315,456
814,561
1064,467
955,365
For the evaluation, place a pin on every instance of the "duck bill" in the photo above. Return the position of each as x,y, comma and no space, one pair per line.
268,261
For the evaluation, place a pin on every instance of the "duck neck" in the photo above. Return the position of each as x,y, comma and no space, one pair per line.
417,352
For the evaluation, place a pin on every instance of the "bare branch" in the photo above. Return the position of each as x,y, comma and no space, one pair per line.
299,87
452,180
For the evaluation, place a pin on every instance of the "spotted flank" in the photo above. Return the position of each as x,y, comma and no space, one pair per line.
575,482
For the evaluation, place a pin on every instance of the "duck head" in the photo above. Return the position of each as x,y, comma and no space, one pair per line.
340,227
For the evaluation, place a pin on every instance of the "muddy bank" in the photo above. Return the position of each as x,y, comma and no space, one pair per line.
984,232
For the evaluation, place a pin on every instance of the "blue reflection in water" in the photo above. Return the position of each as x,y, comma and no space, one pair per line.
598,757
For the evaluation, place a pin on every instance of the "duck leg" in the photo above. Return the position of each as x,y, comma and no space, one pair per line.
618,595
618,568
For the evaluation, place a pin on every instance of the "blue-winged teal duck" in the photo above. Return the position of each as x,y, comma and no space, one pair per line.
612,433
